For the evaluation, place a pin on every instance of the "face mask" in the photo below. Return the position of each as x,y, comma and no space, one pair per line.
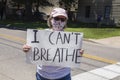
58,25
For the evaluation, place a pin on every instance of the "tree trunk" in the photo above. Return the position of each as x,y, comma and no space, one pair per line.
3,9
28,10
37,6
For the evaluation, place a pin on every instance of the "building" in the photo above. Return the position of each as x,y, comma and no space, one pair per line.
90,10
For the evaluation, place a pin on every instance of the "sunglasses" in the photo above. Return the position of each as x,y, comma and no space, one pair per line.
58,19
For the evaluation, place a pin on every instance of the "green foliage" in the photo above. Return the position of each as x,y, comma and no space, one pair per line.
67,3
29,5
43,2
40,2
17,3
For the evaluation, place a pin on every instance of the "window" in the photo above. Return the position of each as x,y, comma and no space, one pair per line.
87,11
107,12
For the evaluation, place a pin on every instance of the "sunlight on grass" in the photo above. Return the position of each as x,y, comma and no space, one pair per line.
96,33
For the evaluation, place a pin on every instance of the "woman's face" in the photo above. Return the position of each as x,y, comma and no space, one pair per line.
58,23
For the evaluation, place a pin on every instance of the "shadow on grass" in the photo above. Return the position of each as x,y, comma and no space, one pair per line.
22,25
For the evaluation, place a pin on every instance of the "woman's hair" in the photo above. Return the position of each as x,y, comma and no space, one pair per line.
49,22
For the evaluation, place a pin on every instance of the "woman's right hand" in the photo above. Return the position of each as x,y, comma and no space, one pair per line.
26,48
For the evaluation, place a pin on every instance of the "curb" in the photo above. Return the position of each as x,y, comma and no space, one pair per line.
11,27
16,28
89,40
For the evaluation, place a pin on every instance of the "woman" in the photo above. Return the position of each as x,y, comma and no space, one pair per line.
57,22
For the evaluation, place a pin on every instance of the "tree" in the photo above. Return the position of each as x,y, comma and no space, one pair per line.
3,8
28,10
41,3
17,3
68,4
29,5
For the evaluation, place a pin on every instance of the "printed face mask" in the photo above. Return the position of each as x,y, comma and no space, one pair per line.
58,25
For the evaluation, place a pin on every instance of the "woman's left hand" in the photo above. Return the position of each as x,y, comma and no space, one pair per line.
81,52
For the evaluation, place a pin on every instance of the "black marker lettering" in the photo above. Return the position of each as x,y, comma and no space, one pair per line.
57,54
35,54
43,52
68,55
50,38
77,37
77,56
67,38
59,37
35,37
62,54
48,55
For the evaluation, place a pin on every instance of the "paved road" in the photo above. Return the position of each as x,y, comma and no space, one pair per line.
14,67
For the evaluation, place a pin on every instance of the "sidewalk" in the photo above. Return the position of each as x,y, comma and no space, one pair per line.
112,41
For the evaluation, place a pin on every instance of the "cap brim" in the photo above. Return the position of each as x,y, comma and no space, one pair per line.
55,15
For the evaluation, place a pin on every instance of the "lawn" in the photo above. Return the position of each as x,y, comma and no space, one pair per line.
96,33
93,33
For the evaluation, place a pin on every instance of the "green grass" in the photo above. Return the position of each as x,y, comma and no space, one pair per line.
93,33
96,33
24,25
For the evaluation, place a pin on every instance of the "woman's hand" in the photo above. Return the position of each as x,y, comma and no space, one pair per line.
81,52
26,48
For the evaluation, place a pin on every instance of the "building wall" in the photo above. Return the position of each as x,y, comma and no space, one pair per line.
116,11
82,11
89,10
104,8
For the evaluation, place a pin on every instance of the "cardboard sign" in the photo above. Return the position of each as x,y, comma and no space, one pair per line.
56,48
